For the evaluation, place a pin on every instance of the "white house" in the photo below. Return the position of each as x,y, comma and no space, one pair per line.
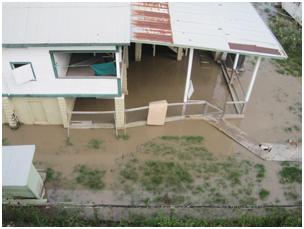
50,50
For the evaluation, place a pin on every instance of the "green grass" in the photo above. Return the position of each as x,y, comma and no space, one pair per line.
289,33
90,178
95,143
260,169
129,172
123,137
290,174
184,139
291,195
158,175
5,142
263,194
52,175
29,216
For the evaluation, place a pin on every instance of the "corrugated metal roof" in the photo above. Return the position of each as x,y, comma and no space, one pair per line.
54,23
231,27
228,27
150,22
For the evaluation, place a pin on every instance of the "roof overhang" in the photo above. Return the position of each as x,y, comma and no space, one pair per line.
223,27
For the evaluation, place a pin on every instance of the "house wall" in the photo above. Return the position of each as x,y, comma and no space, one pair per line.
40,110
46,84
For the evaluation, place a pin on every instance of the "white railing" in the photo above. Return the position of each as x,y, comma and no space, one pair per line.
138,116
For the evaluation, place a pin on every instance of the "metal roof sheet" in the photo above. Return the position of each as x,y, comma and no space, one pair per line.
150,22
66,23
231,27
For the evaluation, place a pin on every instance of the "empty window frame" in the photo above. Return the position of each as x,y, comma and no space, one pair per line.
83,64
23,72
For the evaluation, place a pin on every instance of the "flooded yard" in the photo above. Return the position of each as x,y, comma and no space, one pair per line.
185,162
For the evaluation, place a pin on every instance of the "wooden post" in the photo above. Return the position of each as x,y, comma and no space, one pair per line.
250,87
138,48
179,54
254,75
118,59
126,55
154,50
190,61
233,73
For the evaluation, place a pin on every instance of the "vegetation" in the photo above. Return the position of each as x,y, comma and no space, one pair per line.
264,194
290,174
41,216
91,178
123,137
180,169
94,144
5,142
289,33
52,175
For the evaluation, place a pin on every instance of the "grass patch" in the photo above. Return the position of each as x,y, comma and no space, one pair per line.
95,143
291,195
29,216
123,137
52,175
90,178
129,172
260,169
5,142
290,174
158,175
289,33
263,194
184,139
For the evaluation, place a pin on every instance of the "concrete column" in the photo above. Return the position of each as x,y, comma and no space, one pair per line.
8,111
63,111
120,112
138,48
179,54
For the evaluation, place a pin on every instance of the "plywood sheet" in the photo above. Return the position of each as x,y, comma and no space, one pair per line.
157,112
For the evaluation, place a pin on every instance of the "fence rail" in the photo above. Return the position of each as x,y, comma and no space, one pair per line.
138,116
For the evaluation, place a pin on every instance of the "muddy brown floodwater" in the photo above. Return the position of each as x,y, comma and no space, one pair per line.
53,152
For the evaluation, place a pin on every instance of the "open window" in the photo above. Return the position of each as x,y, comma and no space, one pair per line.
83,65
23,72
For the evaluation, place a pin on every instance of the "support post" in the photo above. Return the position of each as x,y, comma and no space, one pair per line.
179,54
189,69
233,74
119,112
8,111
64,111
250,87
126,55
154,50
138,48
